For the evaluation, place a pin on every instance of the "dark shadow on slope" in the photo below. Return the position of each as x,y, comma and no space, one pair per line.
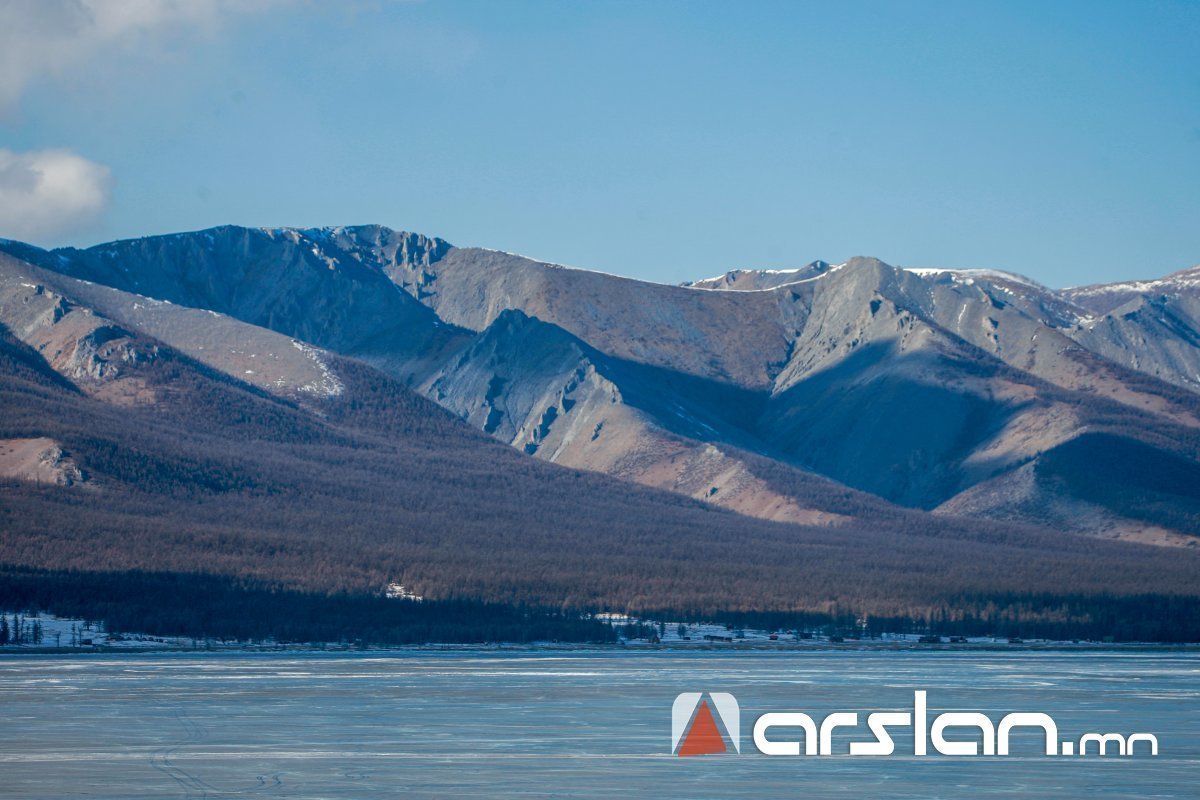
21,361
683,403
1128,477
890,435
265,280
697,408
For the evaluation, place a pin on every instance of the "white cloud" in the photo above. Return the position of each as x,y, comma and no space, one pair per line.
45,193
52,37
48,192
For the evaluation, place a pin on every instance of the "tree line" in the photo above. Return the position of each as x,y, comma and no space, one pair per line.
222,483
213,607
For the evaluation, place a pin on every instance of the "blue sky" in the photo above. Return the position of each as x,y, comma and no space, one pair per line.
664,141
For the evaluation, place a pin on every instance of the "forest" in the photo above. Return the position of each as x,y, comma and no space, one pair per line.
235,514
207,607
1054,616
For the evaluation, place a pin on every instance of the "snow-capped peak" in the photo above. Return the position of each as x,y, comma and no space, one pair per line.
971,275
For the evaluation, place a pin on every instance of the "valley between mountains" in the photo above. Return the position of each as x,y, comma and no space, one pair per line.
338,409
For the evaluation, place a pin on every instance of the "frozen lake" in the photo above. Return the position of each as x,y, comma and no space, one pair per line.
566,724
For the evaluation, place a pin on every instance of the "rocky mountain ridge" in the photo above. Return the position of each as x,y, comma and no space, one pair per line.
797,395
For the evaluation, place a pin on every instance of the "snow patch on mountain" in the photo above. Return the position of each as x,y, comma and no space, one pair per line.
1170,283
969,276
329,385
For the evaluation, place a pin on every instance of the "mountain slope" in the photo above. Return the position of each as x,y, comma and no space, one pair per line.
822,394
713,335
524,381
301,284
550,395
380,486
1155,334
1103,298
883,392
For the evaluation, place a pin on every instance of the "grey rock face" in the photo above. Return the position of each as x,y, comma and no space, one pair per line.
326,286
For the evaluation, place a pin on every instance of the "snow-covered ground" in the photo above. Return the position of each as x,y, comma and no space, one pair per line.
969,275
69,632
694,634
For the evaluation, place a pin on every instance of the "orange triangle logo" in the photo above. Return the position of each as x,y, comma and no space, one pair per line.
704,737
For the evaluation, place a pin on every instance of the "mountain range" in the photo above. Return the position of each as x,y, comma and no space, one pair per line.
823,413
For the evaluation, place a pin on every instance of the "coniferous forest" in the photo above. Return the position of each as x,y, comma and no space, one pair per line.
219,511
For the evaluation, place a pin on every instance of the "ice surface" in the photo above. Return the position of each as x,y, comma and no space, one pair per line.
469,724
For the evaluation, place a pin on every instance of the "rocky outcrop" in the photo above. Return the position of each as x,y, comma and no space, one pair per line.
39,460
79,344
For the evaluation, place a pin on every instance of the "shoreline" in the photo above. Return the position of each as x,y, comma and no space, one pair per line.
647,649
